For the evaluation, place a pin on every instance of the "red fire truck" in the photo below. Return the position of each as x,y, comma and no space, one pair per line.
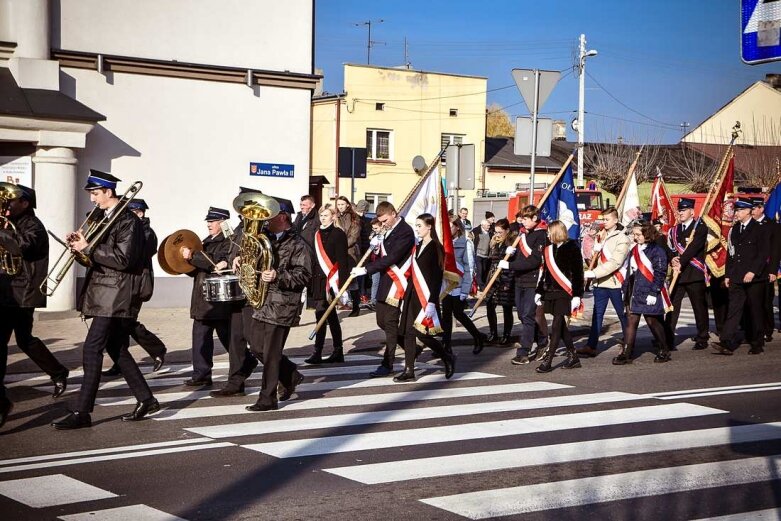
590,204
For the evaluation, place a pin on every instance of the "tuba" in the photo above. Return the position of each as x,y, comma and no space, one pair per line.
10,256
255,248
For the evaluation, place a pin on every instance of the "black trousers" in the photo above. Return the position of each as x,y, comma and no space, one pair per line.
560,331
454,307
268,341
411,335
144,338
482,267
103,332
203,344
490,309
655,324
749,298
19,321
719,298
770,319
333,324
388,321
696,293
241,362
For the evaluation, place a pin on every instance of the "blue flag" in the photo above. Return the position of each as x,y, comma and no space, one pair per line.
773,204
562,205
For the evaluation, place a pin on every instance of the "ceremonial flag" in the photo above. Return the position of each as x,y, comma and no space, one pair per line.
562,205
429,197
661,205
719,220
629,207
773,203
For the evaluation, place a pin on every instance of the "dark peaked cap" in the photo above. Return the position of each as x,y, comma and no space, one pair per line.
98,179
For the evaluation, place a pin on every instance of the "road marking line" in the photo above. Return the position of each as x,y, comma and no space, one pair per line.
770,514
719,393
52,490
135,512
662,395
470,431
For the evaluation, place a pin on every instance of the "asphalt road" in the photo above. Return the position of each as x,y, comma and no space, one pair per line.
696,438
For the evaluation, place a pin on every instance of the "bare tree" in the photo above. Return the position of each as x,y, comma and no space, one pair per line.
759,164
610,162
498,122
695,168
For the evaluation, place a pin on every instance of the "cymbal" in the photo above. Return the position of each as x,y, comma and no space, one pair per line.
169,254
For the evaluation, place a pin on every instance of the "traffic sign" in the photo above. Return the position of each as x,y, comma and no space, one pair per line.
760,31
524,79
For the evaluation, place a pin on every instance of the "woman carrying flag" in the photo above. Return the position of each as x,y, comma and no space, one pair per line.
645,292
420,305
502,293
327,276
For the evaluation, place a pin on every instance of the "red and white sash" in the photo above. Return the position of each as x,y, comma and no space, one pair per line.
523,246
424,324
398,276
701,266
604,256
330,269
641,263
554,270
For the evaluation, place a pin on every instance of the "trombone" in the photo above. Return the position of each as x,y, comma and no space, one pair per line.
93,229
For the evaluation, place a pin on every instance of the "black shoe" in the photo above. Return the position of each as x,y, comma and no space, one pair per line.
114,370
756,350
407,376
769,337
504,340
200,382
450,364
520,360
287,392
228,391
337,357
722,349
380,371
480,340
355,312
572,362
142,409
261,407
60,384
75,420
622,359
315,359
662,357
5,409
492,338
159,361
587,351
544,367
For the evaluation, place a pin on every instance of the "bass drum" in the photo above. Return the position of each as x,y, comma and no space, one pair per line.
222,288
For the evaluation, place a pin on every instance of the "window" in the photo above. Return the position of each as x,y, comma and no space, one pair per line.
453,113
379,106
451,139
379,144
375,199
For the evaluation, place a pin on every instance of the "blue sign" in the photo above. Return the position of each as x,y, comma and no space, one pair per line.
760,30
271,170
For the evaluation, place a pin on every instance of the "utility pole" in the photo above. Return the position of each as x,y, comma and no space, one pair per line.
369,41
582,55
684,125
407,64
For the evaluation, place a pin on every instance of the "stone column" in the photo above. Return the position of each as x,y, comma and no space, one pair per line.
31,21
54,176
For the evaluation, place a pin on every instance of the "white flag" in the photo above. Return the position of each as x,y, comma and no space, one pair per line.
629,210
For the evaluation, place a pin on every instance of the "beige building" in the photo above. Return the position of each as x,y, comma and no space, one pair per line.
397,114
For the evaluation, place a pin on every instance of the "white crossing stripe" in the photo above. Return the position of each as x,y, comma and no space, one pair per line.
134,512
612,487
393,471
449,433
771,514
399,415
365,399
715,391
52,490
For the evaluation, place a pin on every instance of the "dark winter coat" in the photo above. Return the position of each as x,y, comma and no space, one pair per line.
502,293
306,222
527,269
637,288
293,265
570,262
366,233
150,250
397,246
22,290
112,286
218,249
695,250
428,261
335,245
750,253
351,224
772,234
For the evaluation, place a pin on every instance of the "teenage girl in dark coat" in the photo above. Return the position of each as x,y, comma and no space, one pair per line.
502,293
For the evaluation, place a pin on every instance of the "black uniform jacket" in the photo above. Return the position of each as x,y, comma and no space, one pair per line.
570,262
527,269
749,253
772,233
112,286
335,245
21,290
305,226
398,246
428,260
695,250
150,250
218,249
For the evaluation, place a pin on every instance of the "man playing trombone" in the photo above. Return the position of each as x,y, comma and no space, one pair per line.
110,297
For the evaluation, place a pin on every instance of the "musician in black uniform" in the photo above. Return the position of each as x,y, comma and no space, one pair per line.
19,294
689,260
772,233
748,251
208,316
143,337
395,251
111,297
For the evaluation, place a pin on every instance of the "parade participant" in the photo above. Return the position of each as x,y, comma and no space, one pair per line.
454,303
110,298
560,290
361,207
420,313
502,293
646,293
525,266
19,294
329,272
612,246
306,222
374,244
746,276
482,241
772,233
143,337
393,263
351,224
517,225
208,317
689,262
281,310
463,213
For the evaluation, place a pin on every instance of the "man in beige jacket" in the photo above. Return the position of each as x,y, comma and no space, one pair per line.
612,247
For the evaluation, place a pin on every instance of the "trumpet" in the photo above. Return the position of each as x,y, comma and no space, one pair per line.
92,229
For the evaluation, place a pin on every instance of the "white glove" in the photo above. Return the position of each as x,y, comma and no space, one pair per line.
575,303
598,246
588,274
510,250
650,300
431,310
463,297
345,298
358,272
537,299
375,241
504,265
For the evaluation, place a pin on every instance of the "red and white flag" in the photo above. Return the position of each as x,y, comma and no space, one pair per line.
661,205
719,221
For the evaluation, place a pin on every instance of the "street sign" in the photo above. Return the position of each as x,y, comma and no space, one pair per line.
524,136
760,31
524,79
460,167
353,166
271,170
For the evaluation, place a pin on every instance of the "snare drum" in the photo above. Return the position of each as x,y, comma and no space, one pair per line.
222,288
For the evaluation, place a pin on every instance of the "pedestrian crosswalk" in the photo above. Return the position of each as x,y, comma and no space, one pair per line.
375,432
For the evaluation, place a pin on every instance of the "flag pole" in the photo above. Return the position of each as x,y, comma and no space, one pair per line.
540,203
349,280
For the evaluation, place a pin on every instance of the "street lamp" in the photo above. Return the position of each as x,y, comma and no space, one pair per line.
581,102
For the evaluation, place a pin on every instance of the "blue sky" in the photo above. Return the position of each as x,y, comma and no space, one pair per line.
660,62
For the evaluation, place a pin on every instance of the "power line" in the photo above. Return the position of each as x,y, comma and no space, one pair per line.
627,107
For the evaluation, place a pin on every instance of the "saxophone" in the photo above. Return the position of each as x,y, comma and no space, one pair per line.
255,248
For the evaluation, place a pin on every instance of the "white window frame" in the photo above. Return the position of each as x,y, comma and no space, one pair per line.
451,141
374,199
391,144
